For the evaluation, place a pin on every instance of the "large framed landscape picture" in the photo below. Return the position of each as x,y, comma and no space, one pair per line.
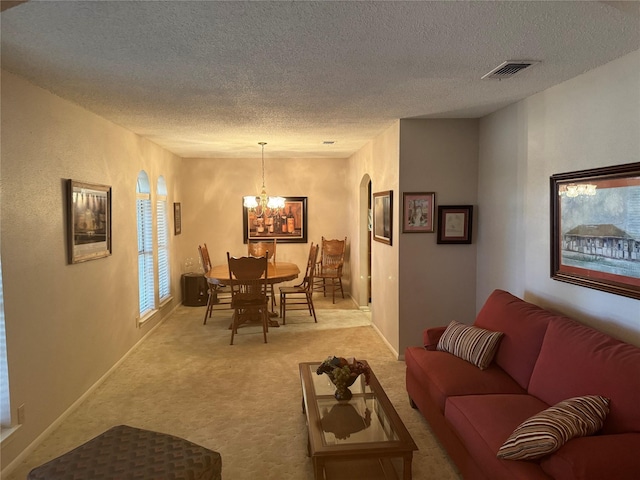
595,228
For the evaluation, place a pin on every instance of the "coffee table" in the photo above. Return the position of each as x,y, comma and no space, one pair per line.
363,436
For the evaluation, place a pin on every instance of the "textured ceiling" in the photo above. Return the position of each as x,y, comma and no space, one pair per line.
212,79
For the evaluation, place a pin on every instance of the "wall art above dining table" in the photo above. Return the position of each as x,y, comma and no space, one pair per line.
287,225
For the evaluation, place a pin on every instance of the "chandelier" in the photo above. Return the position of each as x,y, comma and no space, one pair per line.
263,204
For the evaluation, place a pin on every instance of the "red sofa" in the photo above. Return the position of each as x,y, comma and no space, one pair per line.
542,359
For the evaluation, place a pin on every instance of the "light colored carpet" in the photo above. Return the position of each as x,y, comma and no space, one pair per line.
243,401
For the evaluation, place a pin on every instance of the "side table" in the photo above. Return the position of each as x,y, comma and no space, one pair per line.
194,290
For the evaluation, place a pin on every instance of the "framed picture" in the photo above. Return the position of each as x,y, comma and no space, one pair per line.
595,228
383,216
417,212
288,225
89,221
177,218
454,223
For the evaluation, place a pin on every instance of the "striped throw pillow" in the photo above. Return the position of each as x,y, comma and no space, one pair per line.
547,431
473,344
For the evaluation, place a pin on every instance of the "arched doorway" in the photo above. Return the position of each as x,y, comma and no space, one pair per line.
364,286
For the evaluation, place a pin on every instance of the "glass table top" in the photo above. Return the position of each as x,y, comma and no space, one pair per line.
362,419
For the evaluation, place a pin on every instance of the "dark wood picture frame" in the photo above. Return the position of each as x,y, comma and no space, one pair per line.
88,221
177,218
418,210
595,233
455,223
256,227
383,217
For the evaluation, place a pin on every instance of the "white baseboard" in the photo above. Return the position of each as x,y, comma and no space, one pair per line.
56,423
389,346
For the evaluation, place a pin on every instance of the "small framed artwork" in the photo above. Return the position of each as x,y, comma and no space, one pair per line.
454,223
383,216
287,225
595,228
177,218
417,212
89,221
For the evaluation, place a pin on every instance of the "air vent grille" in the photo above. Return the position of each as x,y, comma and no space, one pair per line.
509,69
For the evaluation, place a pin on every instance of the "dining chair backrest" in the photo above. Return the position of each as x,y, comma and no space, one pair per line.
248,282
311,266
204,257
332,256
262,248
248,276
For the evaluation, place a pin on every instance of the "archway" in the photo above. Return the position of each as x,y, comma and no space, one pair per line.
364,221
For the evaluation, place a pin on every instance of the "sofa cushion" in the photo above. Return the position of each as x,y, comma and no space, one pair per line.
523,325
576,360
473,344
446,375
483,422
547,431
595,458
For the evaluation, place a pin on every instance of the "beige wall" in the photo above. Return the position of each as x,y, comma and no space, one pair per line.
66,325
590,121
437,282
379,161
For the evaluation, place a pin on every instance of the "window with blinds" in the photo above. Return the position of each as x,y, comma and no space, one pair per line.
5,408
164,280
146,282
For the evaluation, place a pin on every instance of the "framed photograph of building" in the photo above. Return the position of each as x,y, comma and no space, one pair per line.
595,228
455,223
287,225
383,216
89,221
417,212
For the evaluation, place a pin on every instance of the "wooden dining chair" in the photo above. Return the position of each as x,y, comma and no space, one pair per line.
217,294
301,294
261,248
249,294
330,266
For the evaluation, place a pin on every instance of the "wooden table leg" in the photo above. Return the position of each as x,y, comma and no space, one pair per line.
406,471
318,469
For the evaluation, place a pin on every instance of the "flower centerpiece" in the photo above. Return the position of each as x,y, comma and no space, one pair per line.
343,372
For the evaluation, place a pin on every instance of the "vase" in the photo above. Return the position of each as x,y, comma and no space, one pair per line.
342,392
342,388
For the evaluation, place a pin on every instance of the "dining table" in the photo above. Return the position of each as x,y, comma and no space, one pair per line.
277,272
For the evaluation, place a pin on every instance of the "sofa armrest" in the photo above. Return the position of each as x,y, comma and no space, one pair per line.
596,457
430,337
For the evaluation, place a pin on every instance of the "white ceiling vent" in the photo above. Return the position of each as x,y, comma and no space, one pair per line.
509,69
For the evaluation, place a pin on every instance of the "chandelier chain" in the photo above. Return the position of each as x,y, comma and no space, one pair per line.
263,144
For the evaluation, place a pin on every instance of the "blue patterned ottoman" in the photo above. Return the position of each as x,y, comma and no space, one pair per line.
127,453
